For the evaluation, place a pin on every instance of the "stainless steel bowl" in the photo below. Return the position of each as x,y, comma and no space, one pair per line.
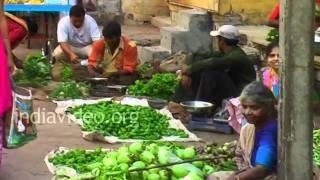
197,106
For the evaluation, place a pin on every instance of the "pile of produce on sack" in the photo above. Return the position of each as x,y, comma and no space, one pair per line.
128,123
316,147
272,35
140,160
161,86
67,72
69,90
36,71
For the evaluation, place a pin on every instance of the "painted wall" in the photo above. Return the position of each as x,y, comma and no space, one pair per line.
144,10
252,11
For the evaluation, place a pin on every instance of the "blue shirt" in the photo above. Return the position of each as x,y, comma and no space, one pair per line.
265,147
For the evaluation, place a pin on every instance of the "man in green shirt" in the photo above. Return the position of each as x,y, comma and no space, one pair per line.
219,75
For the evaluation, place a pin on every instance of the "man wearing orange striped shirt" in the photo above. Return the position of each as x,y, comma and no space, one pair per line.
114,56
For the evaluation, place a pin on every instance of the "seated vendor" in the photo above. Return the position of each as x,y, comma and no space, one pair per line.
218,76
76,33
18,30
256,153
114,56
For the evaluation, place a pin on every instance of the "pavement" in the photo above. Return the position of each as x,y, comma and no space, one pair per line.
27,162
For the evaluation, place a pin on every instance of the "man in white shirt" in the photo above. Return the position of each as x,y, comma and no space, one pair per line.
76,33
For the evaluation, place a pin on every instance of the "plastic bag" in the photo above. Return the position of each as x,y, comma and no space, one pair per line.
20,129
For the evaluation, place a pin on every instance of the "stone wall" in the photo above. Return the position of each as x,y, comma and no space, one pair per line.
144,10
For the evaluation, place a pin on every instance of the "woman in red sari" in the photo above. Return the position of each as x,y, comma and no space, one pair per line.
6,65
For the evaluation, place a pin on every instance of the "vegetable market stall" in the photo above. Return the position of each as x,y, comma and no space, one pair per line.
126,120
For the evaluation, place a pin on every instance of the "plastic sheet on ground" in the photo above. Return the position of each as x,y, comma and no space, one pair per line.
92,136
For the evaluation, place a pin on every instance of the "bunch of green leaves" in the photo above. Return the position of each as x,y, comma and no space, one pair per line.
67,72
71,90
161,86
316,146
272,35
144,67
36,71
124,121
78,159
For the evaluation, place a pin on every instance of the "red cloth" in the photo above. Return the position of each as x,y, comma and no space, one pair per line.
275,14
16,32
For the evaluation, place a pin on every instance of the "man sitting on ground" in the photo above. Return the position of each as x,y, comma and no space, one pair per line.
222,75
76,33
114,56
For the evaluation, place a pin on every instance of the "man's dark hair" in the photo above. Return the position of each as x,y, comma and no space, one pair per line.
32,25
77,11
111,29
230,42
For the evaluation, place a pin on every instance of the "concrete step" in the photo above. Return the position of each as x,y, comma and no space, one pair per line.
152,53
179,39
173,38
194,20
161,21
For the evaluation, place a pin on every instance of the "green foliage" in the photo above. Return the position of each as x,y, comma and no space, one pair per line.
161,86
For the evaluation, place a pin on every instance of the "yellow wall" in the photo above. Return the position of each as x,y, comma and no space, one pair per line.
252,11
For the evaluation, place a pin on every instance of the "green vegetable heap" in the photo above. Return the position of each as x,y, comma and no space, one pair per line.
67,72
223,164
116,165
161,86
79,159
36,71
71,90
144,67
316,146
124,121
272,35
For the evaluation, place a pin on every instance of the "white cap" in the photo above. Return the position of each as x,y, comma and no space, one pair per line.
227,31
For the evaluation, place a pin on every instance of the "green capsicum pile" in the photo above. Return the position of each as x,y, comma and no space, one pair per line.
124,121
161,86
115,165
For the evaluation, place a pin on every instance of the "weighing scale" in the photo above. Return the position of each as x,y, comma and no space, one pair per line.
99,87
201,117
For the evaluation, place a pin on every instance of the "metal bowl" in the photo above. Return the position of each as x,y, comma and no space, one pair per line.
197,106
157,103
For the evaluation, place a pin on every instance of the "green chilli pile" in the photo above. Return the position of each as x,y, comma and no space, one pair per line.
124,121
161,86
117,164
316,146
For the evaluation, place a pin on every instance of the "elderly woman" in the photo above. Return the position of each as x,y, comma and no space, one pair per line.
256,154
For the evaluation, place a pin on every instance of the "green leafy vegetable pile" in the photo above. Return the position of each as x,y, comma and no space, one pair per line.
272,35
316,146
67,72
126,122
116,164
36,71
71,90
161,86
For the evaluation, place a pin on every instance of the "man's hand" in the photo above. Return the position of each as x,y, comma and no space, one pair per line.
74,59
186,81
